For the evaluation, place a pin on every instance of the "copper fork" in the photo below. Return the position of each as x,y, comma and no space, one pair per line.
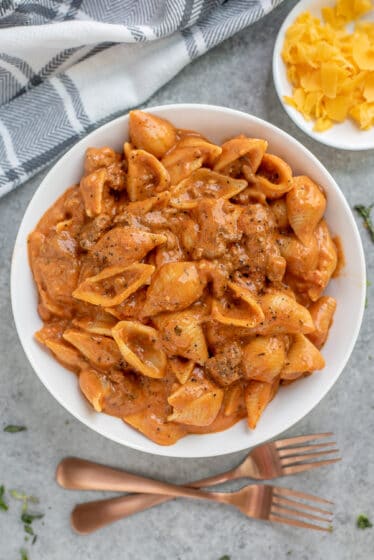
267,461
270,503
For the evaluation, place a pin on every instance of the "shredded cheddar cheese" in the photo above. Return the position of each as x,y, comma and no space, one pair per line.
332,70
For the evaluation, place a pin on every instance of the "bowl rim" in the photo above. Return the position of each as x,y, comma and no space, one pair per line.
294,115
170,451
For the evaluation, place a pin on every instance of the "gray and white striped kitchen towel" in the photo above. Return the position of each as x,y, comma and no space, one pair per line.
68,65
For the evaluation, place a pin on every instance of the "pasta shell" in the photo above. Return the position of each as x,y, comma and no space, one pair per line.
327,261
244,312
200,412
252,148
301,258
51,331
155,427
142,207
182,162
91,188
122,246
95,326
196,403
140,347
190,391
64,224
182,335
127,149
146,176
48,307
302,357
188,155
210,151
174,287
284,315
233,402
275,387
151,133
306,205
100,351
218,334
181,368
274,176
322,312
55,269
214,275
95,387
257,396
66,354
204,183
114,284
263,358
130,308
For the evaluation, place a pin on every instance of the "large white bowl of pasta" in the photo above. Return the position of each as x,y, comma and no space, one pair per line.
189,279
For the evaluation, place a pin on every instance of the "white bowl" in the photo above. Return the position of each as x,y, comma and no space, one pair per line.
291,403
346,135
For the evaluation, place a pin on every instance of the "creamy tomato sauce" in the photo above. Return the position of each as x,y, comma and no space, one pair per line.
183,281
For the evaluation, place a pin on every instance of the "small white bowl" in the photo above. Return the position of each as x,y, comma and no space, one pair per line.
291,403
346,135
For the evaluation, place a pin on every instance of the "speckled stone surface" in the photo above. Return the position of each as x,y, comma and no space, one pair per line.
236,74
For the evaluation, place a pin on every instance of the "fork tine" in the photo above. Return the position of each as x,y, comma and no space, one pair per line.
295,513
305,457
300,439
280,491
308,466
298,523
286,502
294,450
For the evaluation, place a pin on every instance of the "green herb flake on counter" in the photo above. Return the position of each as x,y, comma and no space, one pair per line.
21,496
28,518
29,530
13,429
3,505
364,212
363,522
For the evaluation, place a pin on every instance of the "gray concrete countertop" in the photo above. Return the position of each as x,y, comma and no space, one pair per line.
237,74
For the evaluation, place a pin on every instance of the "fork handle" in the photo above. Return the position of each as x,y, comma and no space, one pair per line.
78,474
91,516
